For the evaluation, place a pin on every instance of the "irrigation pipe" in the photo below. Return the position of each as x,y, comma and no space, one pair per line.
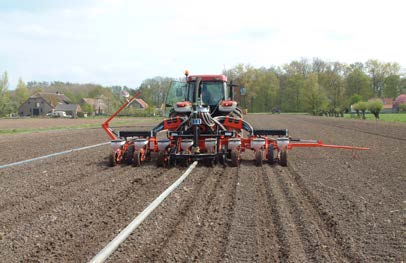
123,235
52,154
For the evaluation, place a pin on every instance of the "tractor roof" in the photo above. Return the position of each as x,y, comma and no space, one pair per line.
207,78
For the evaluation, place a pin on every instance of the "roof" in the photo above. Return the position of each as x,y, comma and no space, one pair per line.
52,98
67,107
207,77
387,101
142,103
97,103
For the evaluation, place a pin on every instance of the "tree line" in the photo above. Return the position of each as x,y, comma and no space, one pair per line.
317,86
314,86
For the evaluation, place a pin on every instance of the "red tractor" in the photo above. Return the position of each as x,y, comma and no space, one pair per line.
205,124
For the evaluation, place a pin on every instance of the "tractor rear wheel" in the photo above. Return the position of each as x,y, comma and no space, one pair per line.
283,161
259,157
235,158
137,158
270,154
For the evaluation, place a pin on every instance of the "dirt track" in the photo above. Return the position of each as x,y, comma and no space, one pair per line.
325,207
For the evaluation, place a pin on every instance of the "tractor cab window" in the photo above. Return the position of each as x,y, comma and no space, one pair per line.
176,93
212,92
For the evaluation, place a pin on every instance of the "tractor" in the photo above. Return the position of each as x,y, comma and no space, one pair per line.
203,124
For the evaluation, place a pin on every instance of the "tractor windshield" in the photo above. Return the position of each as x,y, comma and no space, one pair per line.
211,91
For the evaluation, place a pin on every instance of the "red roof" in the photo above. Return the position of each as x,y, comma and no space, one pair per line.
142,103
387,101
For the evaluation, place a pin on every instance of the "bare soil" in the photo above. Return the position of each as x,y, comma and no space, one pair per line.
327,206
50,123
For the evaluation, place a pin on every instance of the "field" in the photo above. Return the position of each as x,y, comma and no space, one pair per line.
327,206
11,126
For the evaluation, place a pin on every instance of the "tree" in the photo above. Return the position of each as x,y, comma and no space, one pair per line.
378,72
355,99
362,106
375,107
358,82
5,102
391,86
315,99
22,93
402,107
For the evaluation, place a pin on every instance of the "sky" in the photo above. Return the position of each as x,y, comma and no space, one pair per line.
123,42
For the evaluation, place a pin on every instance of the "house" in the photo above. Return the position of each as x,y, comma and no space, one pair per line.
69,109
42,103
141,104
99,105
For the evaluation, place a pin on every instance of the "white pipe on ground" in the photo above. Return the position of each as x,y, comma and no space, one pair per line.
52,155
123,235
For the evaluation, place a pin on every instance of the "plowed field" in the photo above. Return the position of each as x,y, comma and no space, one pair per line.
326,206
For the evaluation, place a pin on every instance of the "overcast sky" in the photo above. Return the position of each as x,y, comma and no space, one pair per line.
123,42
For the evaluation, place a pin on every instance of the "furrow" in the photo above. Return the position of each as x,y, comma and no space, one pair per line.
290,244
242,245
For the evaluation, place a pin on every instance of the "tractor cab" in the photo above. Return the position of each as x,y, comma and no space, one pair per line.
212,93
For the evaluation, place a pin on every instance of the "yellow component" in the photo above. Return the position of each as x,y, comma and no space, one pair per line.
187,72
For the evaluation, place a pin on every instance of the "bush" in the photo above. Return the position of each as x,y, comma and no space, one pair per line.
402,107
375,107
361,106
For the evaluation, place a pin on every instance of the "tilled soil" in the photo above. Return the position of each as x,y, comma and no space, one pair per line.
327,206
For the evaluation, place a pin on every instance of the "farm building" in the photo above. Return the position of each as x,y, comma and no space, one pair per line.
42,103
69,109
98,105
141,103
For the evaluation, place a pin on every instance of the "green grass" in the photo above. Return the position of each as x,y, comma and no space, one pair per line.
76,127
390,117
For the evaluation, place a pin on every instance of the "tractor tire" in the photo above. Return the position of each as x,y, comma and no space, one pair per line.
259,157
271,159
137,158
129,154
283,161
235,158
